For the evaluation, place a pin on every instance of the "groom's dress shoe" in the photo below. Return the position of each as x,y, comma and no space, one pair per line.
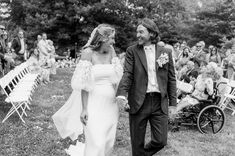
150,147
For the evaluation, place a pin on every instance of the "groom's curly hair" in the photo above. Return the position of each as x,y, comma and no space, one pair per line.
152,28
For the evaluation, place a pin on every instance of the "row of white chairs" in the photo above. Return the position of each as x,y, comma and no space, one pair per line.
18,85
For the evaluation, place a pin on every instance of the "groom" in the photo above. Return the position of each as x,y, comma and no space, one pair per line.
148,86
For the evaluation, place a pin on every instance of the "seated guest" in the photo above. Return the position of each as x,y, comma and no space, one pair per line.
185,54
200,53
213,56
203,88
192,70
221,83
177,51
35,66
231,67
197,63
185,70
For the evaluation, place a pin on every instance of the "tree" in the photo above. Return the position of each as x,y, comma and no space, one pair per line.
70,21
212,25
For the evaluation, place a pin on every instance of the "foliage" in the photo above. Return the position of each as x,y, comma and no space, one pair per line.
71,21
212,25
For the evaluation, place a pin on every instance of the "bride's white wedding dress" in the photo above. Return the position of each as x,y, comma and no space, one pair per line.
100,81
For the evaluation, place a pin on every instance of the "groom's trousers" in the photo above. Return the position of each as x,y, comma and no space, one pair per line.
150,111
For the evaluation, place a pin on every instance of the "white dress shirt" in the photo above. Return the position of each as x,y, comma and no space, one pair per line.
151,67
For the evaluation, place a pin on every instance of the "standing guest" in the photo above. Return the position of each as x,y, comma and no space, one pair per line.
51,61
19,47
213,56
6,65
35,45
3,51
43,48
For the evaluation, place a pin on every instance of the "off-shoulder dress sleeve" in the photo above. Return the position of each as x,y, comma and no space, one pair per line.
82,77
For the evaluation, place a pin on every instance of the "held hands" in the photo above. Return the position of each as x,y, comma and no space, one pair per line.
123,102
84,116
172,112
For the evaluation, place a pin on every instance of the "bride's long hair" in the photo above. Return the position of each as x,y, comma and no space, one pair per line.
98,36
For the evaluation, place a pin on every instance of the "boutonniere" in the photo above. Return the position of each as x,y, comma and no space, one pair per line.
163,59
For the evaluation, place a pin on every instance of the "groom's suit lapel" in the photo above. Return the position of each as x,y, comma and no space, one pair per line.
143,59
142,56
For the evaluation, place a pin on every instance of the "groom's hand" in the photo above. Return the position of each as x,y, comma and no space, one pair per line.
172,111
123,102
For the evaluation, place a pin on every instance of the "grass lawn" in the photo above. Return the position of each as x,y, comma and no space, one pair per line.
39,137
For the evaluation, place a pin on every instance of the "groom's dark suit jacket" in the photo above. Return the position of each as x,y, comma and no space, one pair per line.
135,79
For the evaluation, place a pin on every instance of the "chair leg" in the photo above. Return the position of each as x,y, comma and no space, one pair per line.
13,109
23,107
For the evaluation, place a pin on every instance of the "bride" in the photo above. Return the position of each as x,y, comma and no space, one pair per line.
91,107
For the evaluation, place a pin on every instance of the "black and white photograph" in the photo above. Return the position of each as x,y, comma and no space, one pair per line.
117,77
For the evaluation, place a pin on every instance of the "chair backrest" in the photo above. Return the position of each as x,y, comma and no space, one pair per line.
215,97
6,83
13,77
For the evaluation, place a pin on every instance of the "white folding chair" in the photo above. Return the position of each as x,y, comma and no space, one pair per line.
229,99
18,104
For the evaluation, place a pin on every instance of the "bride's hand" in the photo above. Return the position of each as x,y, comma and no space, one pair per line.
84,117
